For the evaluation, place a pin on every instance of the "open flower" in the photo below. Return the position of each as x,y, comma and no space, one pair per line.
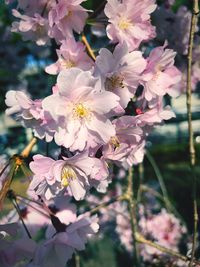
71,54
80,108
121,71
130,21
65,17
127,146
161,76
76,174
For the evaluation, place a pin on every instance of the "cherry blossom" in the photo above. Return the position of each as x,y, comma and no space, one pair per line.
120,72
65,17
160,76
71,54
80,108
75,174
130,21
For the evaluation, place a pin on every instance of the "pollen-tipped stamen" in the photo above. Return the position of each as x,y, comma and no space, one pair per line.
67,175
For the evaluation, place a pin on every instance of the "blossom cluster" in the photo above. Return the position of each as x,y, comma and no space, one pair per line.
163,228
86,116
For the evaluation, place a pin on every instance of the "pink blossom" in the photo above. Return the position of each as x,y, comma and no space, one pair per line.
75,174
71,54
81,110
32,28
127,146
130,21
165,229
31,114
160,76
58,249
65,17
121,71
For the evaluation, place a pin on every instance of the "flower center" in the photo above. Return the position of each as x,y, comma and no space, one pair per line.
114,142
80,111
114,82
156,76
124,24
67,175
68,63
69,14
158,70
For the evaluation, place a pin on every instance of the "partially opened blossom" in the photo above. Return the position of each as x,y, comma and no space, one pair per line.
65,17
127,146
161,76
31,114
75,174
129,21
120,72
71,54
32,28
80,108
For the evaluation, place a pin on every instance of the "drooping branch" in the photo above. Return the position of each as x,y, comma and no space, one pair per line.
132,212
194,20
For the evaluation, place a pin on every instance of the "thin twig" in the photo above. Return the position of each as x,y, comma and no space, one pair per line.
141,239
190,130
34,208
16,206
89,49
160,180
132,213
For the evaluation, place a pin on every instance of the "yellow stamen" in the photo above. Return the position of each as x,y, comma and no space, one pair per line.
124,24
114,142
67,175
81,111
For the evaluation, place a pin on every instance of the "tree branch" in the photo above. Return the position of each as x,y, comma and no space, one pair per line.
190,129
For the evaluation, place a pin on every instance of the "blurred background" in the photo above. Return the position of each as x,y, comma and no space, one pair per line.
22,68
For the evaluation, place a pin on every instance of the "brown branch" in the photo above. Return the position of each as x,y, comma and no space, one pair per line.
141,239
190,129
89,49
